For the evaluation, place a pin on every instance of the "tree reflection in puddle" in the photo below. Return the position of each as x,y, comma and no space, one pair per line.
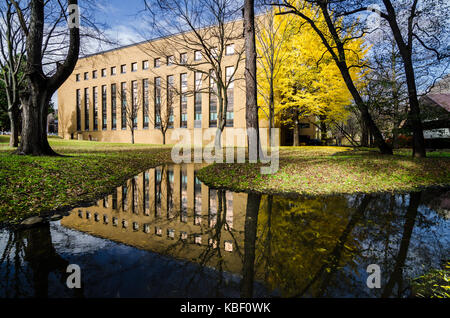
165,234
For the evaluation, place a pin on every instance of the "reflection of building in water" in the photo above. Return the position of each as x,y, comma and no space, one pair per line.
163,210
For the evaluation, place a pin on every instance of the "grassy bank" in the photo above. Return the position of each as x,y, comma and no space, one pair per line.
88,170
32,185
327,170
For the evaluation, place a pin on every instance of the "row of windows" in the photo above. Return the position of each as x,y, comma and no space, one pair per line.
170,60
130,192
196,238
140,103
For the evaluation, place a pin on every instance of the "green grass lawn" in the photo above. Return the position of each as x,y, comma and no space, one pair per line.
328,170
32,185
88,170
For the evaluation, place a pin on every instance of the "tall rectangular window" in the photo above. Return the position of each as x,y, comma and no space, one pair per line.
124,197
145,65
170,99
184,195
114,199
135,195
157,102
134,67
157,62
123,95
145,103
213,205
134,106
198,100
86,109
229,49
158,191
113,106
95,102
183,58
146,193
170,194
183,101
197,55
197,196
212,100
104,120
229,212
229,71
113,70
78,110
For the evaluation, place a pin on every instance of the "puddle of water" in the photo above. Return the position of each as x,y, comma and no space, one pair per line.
165,234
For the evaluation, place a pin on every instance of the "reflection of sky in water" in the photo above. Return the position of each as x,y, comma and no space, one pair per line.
110,269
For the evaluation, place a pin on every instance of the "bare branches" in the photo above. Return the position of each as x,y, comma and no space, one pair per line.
211,30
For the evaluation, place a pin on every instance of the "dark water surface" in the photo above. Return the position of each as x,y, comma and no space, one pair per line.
165,234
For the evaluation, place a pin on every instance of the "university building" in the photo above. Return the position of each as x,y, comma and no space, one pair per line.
95,101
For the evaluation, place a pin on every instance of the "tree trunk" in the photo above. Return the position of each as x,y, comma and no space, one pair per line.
34,125
395,138
251,114
132,136
364,134
40,88
218,138
414,113
296,134
271,114
14,118
164,138
323,130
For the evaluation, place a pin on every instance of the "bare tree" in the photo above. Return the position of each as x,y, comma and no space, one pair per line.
209,28
40,87
131,104
386,90
416,30
52,38
12,59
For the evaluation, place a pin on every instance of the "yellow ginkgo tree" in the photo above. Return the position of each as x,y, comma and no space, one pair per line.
306,80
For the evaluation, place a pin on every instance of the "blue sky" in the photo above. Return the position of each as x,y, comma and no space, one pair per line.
121,22
124,20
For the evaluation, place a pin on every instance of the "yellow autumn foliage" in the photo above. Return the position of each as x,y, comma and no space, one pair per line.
306,78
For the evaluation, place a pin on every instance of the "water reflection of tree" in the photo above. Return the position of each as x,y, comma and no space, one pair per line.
34,258
251,228
211,254
315,247
396,276
297,241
